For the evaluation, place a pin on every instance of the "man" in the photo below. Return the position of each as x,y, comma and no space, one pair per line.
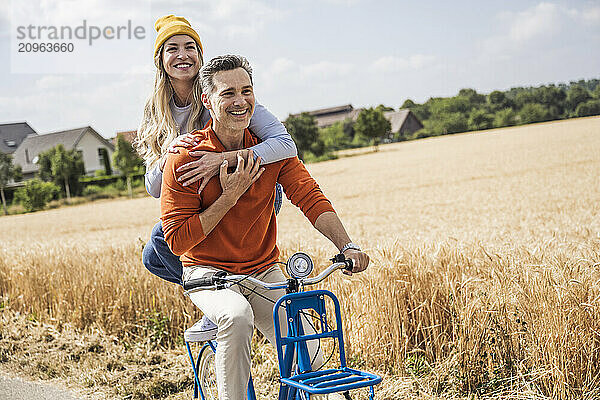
231,226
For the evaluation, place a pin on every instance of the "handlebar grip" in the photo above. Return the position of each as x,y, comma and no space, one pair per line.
341,258
349,264
198,282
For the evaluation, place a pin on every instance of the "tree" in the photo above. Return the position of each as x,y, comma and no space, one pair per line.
126,160
457,104
106,161
499,100
590,107
505,117
60,165
596,92
472,96
575,96
523,97
553,98
305,133
372,124
36,194
534,112
334,138
384,108
444,124
408,103
8,172
479,119
63,167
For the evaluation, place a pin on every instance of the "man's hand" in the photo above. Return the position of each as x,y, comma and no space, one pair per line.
234,185
360,260
204,168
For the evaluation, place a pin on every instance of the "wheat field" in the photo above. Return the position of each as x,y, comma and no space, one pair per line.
485,273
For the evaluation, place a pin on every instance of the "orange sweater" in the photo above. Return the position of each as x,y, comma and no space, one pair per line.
245,239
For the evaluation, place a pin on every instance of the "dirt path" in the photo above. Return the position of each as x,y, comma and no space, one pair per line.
15,388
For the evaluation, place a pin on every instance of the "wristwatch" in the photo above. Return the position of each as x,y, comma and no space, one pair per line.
350,246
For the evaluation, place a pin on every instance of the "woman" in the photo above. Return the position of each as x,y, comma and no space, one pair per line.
173,110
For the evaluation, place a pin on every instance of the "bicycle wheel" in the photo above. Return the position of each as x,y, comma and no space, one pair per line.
206,374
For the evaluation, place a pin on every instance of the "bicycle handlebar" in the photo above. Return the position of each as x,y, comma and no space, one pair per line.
222,281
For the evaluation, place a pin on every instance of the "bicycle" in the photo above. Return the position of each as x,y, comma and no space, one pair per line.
291,349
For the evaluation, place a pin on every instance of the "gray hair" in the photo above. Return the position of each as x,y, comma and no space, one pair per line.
221,63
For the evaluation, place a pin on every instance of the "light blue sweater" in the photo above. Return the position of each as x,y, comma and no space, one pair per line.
276,145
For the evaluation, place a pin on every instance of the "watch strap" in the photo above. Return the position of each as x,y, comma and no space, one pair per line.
350,246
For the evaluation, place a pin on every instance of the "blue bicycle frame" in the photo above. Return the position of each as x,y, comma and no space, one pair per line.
304,381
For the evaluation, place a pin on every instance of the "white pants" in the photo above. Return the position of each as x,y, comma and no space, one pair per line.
236,311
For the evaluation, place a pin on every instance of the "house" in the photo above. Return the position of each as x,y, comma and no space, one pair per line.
12,135
129,136
403,122
86,141
328,116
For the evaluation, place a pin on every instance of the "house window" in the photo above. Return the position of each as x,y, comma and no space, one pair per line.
10,143
27,156
101,151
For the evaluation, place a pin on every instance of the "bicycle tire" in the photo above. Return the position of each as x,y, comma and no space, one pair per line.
206,374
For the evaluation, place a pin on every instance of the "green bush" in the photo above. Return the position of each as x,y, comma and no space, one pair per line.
120,185
505,117
91,190
591,107
534,112
36,194
479,119
311,158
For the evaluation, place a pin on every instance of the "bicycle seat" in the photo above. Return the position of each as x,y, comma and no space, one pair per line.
201,331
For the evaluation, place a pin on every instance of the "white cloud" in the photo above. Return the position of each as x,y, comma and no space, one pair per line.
63,12
325,70
282,66
232,18
589,16
49,82
342,2
540,27
296,74
543,19
397,64
109,103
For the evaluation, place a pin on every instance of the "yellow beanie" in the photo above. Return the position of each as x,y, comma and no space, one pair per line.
170,25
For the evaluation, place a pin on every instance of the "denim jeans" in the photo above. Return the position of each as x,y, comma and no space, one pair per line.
160,260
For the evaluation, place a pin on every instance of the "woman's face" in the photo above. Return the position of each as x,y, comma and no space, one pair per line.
180,57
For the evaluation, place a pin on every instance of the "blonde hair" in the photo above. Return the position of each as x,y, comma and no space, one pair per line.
158,127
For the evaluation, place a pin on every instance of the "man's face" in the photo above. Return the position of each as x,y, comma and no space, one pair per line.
231,103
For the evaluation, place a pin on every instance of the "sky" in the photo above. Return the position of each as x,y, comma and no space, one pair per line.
306,54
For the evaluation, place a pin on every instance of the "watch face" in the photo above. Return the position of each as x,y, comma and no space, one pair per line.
299,265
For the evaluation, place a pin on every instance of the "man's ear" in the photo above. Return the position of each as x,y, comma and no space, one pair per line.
205,101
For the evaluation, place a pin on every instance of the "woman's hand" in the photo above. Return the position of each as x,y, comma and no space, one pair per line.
185,141
204,168
234,185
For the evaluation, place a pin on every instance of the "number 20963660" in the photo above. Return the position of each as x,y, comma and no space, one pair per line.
45,47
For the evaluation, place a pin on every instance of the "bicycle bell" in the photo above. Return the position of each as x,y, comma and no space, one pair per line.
299,265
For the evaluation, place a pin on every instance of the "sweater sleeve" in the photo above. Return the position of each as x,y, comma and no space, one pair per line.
302,190
153,180
180,208
277,144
